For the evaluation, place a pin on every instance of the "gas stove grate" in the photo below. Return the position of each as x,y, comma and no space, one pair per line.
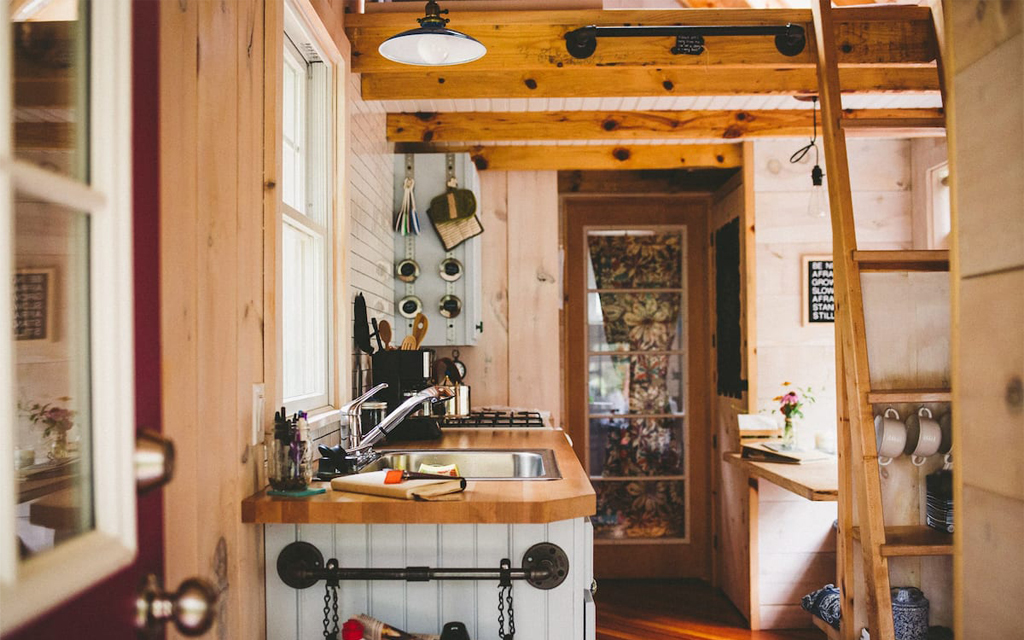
491,419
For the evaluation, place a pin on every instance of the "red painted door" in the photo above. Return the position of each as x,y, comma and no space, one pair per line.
106,611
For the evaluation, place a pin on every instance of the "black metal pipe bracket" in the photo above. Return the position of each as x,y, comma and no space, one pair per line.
300,565
790,39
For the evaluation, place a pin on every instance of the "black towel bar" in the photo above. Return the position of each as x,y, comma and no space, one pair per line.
300,565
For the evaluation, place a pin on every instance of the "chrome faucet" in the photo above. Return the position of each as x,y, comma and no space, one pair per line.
351,413
364,448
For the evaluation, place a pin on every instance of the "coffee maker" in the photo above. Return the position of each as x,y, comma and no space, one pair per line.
406,372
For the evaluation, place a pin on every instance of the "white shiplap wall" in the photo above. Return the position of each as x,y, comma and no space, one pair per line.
370,183
369,245
556,614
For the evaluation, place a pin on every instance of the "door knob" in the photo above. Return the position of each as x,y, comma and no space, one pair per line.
192,607
154,461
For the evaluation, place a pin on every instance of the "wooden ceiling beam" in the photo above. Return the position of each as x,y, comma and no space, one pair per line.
536,39
453,83
591,157
635,125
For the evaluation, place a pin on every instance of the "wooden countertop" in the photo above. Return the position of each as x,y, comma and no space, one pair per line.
818,481
505,501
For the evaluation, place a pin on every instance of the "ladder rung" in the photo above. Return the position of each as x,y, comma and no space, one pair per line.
825,628
927,121
930,260
914,540
896,396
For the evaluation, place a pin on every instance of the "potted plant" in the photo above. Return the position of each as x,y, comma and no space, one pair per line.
55,421
790,404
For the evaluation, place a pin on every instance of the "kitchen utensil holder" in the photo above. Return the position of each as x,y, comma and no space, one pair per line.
300,565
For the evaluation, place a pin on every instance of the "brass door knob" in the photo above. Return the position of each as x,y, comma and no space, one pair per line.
192,607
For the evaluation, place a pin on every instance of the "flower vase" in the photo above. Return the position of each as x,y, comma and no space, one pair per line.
789,436
59,446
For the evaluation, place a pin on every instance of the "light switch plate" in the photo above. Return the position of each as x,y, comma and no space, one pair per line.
258,406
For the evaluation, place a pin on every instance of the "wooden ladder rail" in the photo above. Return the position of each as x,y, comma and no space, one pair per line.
851,341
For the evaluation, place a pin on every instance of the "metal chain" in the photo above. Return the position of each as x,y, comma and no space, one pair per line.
511,613
501,613
334,617
331,605
327,612
505,596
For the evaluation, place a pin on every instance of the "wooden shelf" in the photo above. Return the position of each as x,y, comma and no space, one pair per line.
931,260
825,627
896,396
914,540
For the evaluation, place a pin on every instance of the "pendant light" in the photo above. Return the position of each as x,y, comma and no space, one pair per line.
432,44
817,205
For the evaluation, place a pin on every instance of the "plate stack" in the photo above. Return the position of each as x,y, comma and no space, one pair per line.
940,501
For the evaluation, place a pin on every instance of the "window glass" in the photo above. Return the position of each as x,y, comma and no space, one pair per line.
306,231
51,86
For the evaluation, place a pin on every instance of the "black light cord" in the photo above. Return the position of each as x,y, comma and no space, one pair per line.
813,144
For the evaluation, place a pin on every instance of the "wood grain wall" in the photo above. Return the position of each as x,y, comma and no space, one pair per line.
522,294
987,128
212,294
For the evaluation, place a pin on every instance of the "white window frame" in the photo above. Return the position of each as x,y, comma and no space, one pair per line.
939,219
306,36
31,587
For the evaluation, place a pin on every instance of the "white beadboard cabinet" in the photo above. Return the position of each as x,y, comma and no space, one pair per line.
563,613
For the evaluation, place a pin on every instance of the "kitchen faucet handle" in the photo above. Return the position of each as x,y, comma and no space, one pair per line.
353,406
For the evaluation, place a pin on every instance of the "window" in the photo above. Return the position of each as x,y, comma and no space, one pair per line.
939,220
66,370
306,233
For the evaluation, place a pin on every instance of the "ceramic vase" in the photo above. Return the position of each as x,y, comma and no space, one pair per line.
909,613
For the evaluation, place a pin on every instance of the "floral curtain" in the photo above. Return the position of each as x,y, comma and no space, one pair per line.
642,321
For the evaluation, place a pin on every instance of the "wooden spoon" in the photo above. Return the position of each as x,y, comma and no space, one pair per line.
384,333
419,329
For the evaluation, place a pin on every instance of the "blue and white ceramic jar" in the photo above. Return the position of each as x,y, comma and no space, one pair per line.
909,613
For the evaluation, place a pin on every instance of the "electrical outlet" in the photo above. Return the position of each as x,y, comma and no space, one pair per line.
258,407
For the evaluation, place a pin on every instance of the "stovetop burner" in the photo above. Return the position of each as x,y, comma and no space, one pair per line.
497,419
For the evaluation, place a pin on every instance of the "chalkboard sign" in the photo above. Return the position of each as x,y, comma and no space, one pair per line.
33,305
728,311
819,299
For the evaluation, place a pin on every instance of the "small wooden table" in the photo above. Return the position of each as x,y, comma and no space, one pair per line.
817,481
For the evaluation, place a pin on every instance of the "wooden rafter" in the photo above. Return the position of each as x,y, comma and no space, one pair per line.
633,125
536,39
454,83
591,157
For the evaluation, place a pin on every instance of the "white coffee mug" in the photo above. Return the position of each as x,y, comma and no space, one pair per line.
924,436
890,436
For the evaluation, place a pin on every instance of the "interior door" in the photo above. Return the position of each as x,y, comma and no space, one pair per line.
638,377
54,56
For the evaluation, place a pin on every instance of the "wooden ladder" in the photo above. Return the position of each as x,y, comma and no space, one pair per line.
858,457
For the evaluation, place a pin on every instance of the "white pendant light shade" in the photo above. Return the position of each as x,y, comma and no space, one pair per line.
432,44
432,48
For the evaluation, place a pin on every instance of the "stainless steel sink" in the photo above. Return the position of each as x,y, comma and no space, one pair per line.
476,464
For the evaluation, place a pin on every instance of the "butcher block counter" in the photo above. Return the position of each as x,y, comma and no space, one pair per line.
483,502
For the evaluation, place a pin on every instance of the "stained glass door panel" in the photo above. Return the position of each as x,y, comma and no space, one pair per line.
636,381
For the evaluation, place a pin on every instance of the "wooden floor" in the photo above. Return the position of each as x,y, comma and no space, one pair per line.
675,610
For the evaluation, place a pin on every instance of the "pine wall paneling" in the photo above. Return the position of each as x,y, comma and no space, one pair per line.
987,128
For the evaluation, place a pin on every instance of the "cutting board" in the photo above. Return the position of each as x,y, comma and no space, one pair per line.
373,484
